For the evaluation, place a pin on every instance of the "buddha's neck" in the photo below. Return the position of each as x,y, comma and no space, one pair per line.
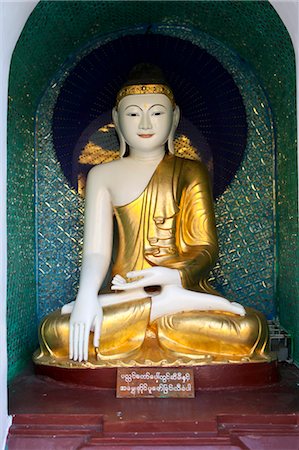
154,154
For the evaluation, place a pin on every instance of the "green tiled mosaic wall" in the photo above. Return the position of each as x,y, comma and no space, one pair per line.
57,29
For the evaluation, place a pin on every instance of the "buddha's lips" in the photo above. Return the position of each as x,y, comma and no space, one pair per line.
146,135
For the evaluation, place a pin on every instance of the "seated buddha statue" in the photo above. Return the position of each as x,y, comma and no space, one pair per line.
160,308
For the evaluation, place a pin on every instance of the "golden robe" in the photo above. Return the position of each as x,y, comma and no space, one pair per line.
171,224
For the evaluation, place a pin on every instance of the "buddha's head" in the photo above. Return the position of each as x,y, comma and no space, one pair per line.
145,115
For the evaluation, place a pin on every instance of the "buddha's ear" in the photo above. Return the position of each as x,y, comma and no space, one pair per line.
175,122
176,117
122,142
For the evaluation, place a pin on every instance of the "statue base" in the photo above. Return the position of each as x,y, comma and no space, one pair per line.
48,414
209,376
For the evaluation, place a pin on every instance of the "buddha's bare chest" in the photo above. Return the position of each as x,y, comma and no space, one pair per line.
128,181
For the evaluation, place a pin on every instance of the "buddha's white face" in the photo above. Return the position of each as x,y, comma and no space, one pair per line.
146,120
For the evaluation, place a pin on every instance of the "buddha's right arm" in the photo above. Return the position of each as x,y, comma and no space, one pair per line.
98,235
97,248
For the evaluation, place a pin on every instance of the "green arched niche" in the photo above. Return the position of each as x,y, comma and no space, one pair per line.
52,33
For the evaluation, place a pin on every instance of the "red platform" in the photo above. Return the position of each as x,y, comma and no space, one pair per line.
52,415
218,376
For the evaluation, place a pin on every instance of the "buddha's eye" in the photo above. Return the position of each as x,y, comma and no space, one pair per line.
157,113
132,114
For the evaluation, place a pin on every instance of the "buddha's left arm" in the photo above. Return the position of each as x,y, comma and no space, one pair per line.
196,236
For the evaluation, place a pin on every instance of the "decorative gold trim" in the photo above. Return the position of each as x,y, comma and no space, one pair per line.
94,154
137,89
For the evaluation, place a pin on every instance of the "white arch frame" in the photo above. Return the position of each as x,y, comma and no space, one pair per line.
13,16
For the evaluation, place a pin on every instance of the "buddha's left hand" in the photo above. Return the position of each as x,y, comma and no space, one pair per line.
154,276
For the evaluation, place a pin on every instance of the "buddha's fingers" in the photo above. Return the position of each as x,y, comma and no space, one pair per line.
127,286
118,279
80,341
71,342
76,338
138,273
85,342
97,331
118,283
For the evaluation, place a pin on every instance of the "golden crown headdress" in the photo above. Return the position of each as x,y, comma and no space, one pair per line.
145,79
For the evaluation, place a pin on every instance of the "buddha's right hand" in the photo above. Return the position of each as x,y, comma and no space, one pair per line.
87,314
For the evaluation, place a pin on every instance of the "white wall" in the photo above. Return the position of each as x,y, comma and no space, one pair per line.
13,16
288,10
